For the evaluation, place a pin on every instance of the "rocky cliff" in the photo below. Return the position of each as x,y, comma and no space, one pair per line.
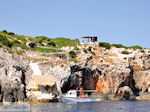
120,73
109,71
13,75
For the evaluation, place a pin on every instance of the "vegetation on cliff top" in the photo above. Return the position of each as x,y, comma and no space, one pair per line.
55,42
45,44
39,43
108,46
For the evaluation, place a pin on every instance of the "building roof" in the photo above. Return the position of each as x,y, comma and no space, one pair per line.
44,80
89,37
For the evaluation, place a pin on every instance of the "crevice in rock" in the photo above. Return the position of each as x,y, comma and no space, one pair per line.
81,78
130,82
71,83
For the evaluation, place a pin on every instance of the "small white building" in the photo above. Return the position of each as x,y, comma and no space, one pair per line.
42,87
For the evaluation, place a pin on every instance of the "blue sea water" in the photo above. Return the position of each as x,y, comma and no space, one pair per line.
104,106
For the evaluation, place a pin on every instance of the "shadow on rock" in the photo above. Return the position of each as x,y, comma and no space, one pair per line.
127,89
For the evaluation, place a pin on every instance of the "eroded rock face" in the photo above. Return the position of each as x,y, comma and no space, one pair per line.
111,72
117,71
102,86
125,92
130,83
61,72
12,77
79,78
107,71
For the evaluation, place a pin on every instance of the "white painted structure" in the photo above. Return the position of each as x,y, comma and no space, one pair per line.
36,69
40,81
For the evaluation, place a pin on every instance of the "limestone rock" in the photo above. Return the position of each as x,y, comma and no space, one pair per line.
12,77
125,93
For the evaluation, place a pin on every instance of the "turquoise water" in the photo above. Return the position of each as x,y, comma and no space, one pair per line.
107,106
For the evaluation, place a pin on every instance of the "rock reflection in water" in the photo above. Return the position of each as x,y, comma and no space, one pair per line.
107,106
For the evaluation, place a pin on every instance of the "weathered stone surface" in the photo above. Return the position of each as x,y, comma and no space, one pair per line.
12,77
102,86
118,70
125,92
107,71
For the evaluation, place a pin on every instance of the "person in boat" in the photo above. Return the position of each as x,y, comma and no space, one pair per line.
84,96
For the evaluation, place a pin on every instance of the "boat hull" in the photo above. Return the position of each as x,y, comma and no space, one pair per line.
68,99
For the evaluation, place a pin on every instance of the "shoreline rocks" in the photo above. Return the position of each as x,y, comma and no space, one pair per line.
126,76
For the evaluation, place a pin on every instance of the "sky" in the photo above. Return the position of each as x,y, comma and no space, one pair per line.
124,22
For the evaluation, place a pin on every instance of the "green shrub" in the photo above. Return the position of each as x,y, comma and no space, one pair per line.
108,46
63,42
51,44
72,54
118,45
32,45
41,40
76,48
4,31
10,33
142,51
18,44
135,47
85,50
90,49
4,41
105,44
125,52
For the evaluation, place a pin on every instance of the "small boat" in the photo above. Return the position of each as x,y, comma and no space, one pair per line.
72,96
